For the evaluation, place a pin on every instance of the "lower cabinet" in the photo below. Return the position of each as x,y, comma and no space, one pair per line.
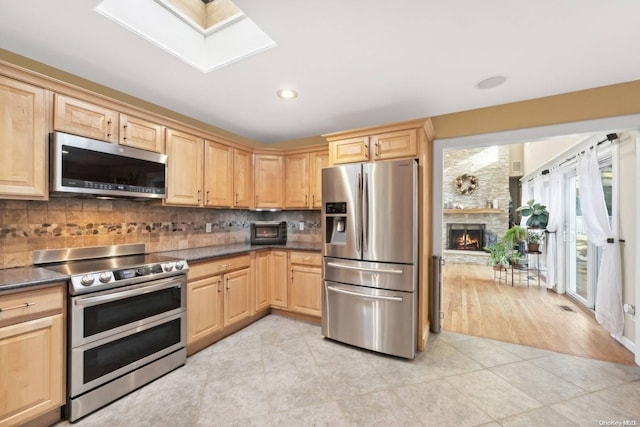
219,294
305,283
278,279
32,368
263,280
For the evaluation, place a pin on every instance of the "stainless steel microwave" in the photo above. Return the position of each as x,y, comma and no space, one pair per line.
85,166
268,233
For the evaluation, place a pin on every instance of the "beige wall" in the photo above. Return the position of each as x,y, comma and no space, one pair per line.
536,154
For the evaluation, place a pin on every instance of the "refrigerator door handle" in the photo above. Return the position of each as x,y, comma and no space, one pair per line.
359,214
358,294
365,212
373,270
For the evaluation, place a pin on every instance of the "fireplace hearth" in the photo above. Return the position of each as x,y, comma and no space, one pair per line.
465,237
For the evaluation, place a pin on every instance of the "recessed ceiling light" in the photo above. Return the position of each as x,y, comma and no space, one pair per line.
287,93
491,82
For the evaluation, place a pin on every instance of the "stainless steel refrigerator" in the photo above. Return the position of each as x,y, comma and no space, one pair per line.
370,233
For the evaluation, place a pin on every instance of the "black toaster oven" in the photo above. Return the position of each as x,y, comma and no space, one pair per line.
268,233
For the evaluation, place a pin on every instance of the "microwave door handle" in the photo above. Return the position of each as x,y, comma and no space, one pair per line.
138,290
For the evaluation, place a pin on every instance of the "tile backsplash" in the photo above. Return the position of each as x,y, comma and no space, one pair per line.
26,226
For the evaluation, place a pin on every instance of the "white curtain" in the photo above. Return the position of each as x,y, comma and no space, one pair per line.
527,195
609,312
556,218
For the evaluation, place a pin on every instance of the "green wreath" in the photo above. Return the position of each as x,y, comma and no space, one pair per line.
466,184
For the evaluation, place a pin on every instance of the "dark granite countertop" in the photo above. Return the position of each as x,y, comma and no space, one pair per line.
210,252
24,277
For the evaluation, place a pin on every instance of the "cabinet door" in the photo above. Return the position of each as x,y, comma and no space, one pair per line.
184,169
318,161
395,145
32,370
23,135
237,298
140,133
242,178
268,181
350,150
305,290
204,308
297,181
218,175
279,279
262,279
85,119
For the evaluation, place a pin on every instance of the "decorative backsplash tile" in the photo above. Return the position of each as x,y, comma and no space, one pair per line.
26,226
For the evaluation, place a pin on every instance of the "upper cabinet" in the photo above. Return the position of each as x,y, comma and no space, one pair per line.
82,118
268,181
139,133
228,176
23,135
303,179
397,141
184,169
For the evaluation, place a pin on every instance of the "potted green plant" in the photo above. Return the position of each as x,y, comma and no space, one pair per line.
534,238
537,213
499,257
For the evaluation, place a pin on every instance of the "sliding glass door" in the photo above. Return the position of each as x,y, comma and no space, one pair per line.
583,257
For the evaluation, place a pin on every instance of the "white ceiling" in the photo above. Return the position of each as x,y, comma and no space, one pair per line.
355,63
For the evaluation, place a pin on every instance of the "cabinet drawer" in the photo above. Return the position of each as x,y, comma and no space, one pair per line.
28,304
305,258
218,266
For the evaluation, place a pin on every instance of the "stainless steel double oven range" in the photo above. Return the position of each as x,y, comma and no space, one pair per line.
126,320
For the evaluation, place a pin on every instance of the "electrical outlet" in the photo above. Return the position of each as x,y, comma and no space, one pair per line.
207,227
301,225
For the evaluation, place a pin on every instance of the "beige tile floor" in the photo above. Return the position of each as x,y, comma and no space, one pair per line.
281,372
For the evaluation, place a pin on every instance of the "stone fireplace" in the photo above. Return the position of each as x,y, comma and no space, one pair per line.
465,237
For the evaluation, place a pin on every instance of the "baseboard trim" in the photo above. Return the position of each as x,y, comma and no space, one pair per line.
627,343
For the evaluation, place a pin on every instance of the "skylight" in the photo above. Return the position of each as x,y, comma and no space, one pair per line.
206,35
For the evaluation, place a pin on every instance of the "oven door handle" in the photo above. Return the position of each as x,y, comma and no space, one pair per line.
358,294
138,290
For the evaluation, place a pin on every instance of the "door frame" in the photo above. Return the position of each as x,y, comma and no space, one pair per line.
629,122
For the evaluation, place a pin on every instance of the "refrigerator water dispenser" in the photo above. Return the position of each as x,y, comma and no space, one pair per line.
336,219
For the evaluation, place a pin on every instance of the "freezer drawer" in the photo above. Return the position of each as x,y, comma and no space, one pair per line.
400,277
375,319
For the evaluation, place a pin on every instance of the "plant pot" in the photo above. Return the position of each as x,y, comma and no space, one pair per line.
533,247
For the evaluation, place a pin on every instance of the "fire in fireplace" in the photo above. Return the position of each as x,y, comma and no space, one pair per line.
465,237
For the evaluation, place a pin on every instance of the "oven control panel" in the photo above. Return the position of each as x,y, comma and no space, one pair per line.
96,281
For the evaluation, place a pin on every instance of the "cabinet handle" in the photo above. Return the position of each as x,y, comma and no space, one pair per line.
313,200
221,266
125,126
15,307
227,280
306,258
219,287
292,274
109,129
199,195
236,203
377,149
305,201
257,198
366,150
206,201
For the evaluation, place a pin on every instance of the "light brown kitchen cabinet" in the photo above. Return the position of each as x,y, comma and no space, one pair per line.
23,132
303,179
204,308
263,280
228,176
242,178
184,169
219,294
297,181
268,187
139,133
237,297
278,279
395,145
85,119
350,150
305,283
32,372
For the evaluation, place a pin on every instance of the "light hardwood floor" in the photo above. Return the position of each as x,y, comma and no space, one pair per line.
475,304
